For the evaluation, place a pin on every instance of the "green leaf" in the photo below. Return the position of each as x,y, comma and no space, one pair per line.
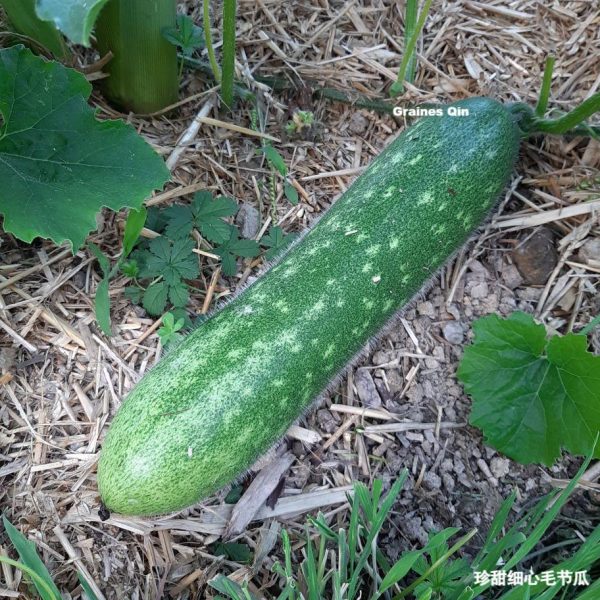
129,268
186,35
234,551
532,397
230,588
179,294
102,307
29,557
205,214
133,228
276,241
208,214
245,248
59,165
173,260
275,159
75,18
235,247
86,588
133,293
155,298
290,193
180,221
399,570
103,260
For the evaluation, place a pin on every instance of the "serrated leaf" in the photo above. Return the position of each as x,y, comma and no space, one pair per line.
133,293
129,268
173,260
155,298
186,35
276,241
179,294
235,247
75,18
180,221
29,557
532,397
59,165
228,264
275,159
208,215
245,248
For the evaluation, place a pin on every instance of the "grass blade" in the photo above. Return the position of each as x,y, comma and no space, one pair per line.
398,87
32,563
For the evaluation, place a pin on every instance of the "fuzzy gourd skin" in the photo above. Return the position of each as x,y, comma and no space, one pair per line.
232,388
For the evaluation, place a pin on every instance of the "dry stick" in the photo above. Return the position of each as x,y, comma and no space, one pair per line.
189,135
8,282
76,558
236,128
548,216
211,290
20,340
49,316
175,193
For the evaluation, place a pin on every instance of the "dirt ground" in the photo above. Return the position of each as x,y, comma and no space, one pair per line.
63,379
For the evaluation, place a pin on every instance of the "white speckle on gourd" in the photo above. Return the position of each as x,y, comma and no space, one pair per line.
394,243
425,198
190,452
367,267
415,160
376,279
373,250
351,232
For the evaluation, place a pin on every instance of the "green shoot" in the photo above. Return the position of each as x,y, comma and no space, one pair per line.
410,24
398,87
301,119
542,104
133,228
229,10
170,326
208,41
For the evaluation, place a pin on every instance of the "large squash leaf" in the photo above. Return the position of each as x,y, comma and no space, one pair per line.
75,18
532,396
58,164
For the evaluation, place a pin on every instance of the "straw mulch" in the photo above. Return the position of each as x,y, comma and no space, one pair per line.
62,380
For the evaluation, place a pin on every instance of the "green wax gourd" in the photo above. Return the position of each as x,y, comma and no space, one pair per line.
230,390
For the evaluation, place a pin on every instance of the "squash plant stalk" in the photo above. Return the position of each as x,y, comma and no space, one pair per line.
24,20
220,399
143,73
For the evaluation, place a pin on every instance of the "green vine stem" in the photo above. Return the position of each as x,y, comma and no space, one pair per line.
208,41
39,581
531,124
229,10
542,104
